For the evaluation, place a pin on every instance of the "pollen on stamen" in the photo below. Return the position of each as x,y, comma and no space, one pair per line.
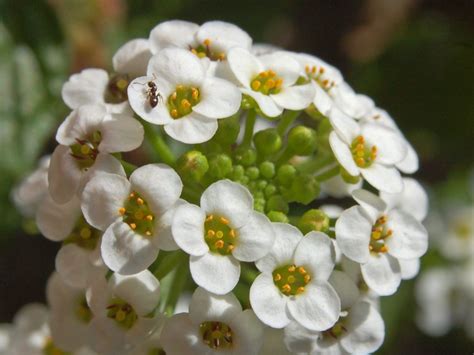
148,233
132,195
174,113
174,95
230,248
149,218
185,104
384,249
133,226
140,201
232,233
223,220
122,211
299,290
256,84
292,268
302,270
307,278
211,233
207,42
286,288
219,244
209,218
277,277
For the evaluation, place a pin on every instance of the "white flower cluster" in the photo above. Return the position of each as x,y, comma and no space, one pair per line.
128,233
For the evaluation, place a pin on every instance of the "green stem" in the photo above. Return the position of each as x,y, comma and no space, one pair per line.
128,167
162,150
248,273
328,174
241,291
168,263
316,163
249,126
286,120
179,281
284,156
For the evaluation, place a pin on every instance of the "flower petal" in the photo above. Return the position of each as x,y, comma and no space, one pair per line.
268,303
223,36
132,58
164,237
84,88
57,221
250,333
317,308
373,205
296,97
284,65
64,175
345,288
353,230
410,163
102,198
174,33
255,238
287,238
382,274
215,273
189,337
316,252
409,238
391,146
206,306
265,102
228,199
383,178
343,154
244,65
322,100
219,98
188,229
121,133
81,123
192,128
409,268
125,251
346,127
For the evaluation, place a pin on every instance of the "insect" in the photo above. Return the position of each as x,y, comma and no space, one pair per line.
153,96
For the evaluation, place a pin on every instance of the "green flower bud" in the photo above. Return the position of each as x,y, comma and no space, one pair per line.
277,203
270,190
267,141
192,165
304,189
285,175
259,204
276,216
348,178
228,130
220,165
302,140
245,180
314,220
261,184
267,169
238,172
245,156
252,172
247,102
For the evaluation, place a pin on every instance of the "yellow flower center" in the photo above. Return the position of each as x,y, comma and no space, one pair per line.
117,89
380,232
83,312
85,151
182,100
122,312
204,50
291,279
363,155
83,235
317,74
50,349
267,82
335,331
137,214
216,335
219,235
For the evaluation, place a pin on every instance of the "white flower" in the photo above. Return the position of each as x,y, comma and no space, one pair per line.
135,215
273,342
270,80
123,311
293,284
259,49
93,86
85,138
376,237
132,58
352,104
29,193
214,325
78,260
222,232
6,333
337,187
369,149
457,241
188,102
70,315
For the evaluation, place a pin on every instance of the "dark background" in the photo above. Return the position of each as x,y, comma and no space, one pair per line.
414,58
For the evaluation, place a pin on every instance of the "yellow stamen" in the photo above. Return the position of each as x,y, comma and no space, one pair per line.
292,268
219,244
302,270
85,233
132,195
232,233
256,85
148,233
383,249
85,149
122,210
211,233
207,42
140,201
185,104
174,113
224,221
219,234
195,93
149,218
300,290
291,279
120,315
133,226
286,288
307,278
174,95
209,218
230,248
277,277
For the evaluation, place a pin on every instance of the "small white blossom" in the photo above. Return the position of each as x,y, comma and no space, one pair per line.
214,325
222,232
376,237
270,80
337,187
293,284
457,239
188,101
135,215
352,104
132,58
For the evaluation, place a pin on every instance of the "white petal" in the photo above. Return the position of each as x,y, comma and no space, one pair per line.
159,185
296,97
228,199
391,147
249,333
175,33
215,273
255,238
132,58
219,98
383,178
84,88
56,221
298,339
64,175
177,66
351,103
121,133
337,187
382,274
102,198
410,163
104,163
141,290
322,100
353,230
366,329
317,308
30,317
244,65
343,154
409,268
188,229
189,340
345,288
283,65
409,239
206,306
268,303
223,36
373,205
265,102
346,127
125,251
192,129
316,252
164,239
81,123
287,238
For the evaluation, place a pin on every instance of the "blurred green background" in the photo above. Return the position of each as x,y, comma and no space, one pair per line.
415,58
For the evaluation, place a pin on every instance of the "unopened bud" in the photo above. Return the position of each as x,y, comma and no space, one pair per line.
302,140
267,169
220,165
193,165
277,203
277,216
285,175
314,220
246,156
267,141
228,131
304,189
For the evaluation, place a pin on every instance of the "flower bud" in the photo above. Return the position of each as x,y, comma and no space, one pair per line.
270,189
267,169
304,189
277,203
246,156
276,216
192,165
252,172
237,173
285,175
302,140
267,141
348,178
220,165
314,220
228,131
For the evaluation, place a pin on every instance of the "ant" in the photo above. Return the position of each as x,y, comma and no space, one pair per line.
153,96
